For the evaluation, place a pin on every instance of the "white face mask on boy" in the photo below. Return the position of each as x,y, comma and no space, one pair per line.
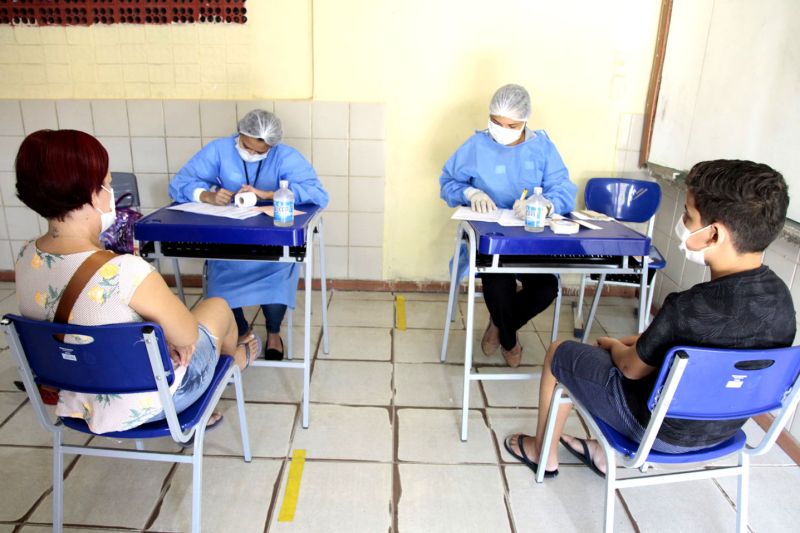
683,233
107,219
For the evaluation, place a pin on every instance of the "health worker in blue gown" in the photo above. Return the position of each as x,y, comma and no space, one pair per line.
491,170
252,160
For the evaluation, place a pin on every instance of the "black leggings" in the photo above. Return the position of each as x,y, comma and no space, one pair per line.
509,309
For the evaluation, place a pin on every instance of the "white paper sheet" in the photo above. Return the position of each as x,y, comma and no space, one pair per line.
226,211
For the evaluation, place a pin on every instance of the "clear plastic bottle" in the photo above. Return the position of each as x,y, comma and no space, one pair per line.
284,205
535,211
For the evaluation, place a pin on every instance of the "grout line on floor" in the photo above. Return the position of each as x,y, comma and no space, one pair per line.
165,486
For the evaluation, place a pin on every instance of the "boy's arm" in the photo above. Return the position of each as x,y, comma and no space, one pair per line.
625,357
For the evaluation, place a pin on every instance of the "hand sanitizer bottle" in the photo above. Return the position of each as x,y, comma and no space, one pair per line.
535,211
284,205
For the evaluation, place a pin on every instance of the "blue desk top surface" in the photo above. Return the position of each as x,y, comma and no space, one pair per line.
168,225
612,239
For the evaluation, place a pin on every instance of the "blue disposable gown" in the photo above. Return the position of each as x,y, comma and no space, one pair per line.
243,283
503,172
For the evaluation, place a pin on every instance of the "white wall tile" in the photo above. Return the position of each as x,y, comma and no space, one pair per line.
39,115
665,214
366,229
330,120
119,153
631,161
623,131
367,121
75,115
367,194
337,191
365,263
301,145
180,150
667,288
149,154
7,256
3,228
8,152
335,228
16,246
8,188
367,158
635,137
153,189
781,246
675,260
11,118
692,274
295,118
217,118
182,118
146,118
23,223
329,157
335,262
245,106
110,118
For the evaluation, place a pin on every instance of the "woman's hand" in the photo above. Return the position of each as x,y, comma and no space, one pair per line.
262,195
181,355
219,197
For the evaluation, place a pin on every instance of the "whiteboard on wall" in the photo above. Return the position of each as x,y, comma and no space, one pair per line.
730,87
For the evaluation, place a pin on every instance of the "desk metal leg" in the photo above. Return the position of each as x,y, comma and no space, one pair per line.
468,340
324,287
644,310
451,298
307,332
556,313
595,301
289,334
178,282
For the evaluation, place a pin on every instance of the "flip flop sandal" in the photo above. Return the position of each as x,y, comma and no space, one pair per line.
210,426
248,354
523,458
584,457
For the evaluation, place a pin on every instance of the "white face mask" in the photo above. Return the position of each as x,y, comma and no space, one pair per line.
503,135
683,233
107,219
247,156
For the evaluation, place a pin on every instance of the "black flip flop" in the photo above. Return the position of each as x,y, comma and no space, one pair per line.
523,458
248,355
584,457
271,354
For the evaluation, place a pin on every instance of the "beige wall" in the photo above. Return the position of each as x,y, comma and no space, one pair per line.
434,65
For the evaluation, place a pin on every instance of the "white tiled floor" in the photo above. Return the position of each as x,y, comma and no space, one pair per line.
382,451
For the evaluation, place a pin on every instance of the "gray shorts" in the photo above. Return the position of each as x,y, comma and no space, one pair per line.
198,374
589,374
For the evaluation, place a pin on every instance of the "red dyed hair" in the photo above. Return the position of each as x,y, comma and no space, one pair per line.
59,170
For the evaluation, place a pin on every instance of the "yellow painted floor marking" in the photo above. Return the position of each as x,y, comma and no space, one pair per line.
292,486
401,313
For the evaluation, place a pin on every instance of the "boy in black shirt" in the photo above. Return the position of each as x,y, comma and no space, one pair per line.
734,210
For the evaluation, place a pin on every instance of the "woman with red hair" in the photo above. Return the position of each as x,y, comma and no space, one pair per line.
63,176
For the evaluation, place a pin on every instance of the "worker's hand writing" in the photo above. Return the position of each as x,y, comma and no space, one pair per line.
181,355
262,195
481,202
219,197
519,208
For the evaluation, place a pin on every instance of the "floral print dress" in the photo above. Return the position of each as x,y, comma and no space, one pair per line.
41,279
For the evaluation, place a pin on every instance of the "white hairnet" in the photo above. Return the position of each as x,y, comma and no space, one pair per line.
511,101
262,125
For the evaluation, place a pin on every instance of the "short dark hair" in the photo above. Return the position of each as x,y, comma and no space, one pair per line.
749,198
59,170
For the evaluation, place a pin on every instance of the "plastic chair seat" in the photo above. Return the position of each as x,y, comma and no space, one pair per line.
188,418
628,447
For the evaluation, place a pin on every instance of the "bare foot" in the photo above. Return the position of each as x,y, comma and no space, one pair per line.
531,451
596,454
246,351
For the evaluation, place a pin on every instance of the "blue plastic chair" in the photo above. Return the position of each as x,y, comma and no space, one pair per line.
699,384
120,359
626,200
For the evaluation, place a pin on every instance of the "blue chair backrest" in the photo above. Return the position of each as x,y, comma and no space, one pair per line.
115,361
720,384
625,199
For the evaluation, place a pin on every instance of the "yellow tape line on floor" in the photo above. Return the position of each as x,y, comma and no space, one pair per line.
292,486
401,313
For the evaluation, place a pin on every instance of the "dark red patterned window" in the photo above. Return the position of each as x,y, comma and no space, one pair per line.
87,12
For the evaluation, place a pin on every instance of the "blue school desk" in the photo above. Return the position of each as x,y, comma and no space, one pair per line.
493,248
172,234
